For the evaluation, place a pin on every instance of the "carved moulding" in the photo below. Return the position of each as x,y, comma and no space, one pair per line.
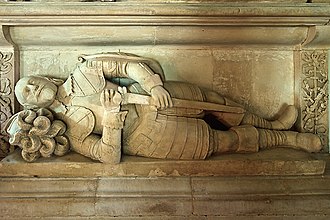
6,98
314,94
8,73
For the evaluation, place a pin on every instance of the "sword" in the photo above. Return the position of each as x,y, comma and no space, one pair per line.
133,98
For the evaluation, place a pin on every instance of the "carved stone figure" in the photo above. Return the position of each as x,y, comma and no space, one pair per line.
117,102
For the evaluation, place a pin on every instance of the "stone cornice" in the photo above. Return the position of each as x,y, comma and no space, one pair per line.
53,20
121,13
208,21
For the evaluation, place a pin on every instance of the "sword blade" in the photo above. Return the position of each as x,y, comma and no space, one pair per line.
132,98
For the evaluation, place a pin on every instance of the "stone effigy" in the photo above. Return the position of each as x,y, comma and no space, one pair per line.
116,103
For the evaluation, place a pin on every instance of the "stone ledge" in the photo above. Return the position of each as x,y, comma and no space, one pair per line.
268,162
152,197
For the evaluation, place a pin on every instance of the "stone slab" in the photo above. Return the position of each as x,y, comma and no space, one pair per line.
285,196
268,162
113,196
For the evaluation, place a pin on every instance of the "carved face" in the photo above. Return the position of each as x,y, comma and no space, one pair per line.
33,91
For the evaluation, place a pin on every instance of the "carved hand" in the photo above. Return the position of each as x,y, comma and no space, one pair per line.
161,97
111,99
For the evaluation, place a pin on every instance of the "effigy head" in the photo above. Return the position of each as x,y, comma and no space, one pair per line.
37,134
35,91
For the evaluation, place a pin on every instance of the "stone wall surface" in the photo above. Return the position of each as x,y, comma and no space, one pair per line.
263,54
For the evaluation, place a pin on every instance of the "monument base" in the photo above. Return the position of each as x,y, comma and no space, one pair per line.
280,183
267,162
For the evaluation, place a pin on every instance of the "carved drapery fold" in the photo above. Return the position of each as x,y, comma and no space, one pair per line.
314,94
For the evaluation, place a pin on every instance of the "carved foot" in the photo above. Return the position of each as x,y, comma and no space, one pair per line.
308,142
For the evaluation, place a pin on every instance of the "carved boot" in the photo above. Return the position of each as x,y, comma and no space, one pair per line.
284,122
301,141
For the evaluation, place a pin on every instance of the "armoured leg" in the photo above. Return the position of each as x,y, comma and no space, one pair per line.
301,141
248,139
238,139
284,122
